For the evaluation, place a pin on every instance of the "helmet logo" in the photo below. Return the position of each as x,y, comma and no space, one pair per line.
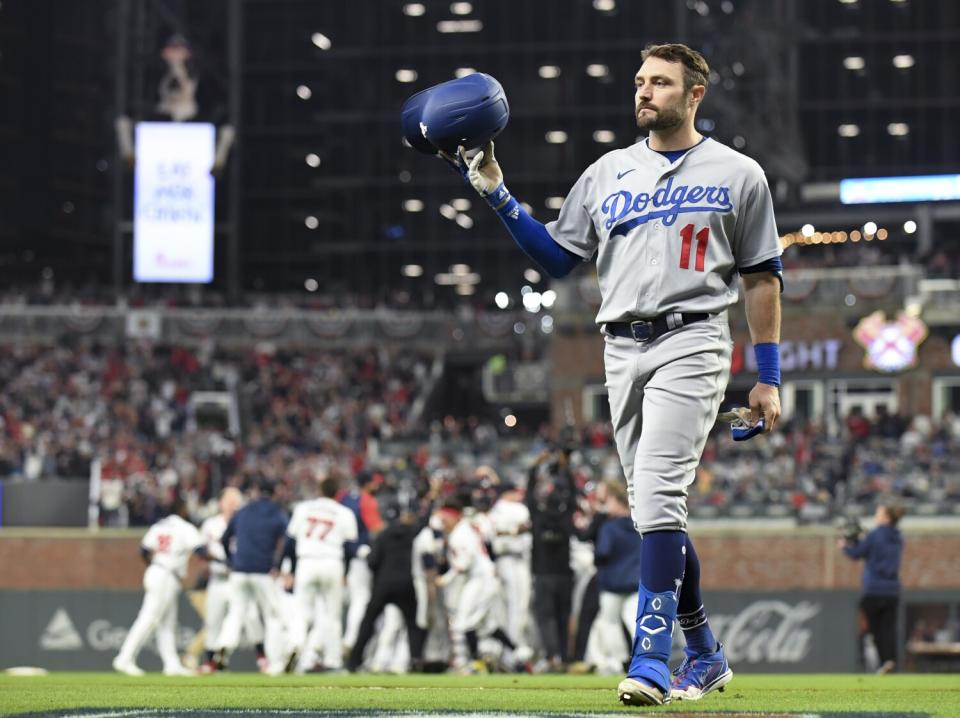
423,130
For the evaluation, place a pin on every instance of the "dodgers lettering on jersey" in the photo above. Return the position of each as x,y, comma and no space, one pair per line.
172,540
669,237
321,527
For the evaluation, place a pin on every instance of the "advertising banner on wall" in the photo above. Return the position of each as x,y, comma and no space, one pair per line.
812,631
173,202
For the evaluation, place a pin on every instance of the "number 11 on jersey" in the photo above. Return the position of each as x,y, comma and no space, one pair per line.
702,236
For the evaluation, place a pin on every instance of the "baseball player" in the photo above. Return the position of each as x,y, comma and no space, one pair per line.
512,545
671,220
470,589
318,531
363,503
252,545
218,586
166,548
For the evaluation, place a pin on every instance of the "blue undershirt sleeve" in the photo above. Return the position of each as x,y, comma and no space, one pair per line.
536,242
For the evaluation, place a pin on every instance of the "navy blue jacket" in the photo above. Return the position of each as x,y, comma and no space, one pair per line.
882,550
617,555
257,528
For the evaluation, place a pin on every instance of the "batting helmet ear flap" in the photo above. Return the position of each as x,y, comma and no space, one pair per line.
410,121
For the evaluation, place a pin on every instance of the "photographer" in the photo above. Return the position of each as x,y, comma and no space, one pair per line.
551,498
882,552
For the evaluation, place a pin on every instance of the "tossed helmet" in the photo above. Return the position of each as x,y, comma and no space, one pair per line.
468,111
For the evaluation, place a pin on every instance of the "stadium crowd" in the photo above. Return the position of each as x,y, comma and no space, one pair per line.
300,415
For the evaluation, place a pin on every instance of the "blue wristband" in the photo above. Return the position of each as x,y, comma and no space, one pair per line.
499,198
768,363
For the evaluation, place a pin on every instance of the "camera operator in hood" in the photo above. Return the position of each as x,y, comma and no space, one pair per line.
882,552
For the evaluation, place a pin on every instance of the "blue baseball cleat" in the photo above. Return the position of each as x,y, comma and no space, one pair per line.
697,676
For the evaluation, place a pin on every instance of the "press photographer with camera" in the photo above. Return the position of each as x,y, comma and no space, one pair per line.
551,499
882,552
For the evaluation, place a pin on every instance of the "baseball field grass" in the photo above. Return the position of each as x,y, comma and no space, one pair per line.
111,694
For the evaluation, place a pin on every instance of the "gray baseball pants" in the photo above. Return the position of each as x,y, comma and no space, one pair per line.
664,397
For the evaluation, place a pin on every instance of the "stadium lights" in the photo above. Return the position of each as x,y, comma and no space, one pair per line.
546,324
304,92
405,74
556,137
909,226
447,26
848,130
311,285
461,8
510,420
311,222
464,71
807,230
465,290
532,302
502,300
903,62
449,279
549,72
460,269
312,159
598,70
854,62
532,275
447,211
548,298
321,41
414,9
464,220
413,205
898,129
553,202
412,270
461,204
605,5
604,137
835,237
527,208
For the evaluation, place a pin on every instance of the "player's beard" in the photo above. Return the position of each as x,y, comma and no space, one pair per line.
663,118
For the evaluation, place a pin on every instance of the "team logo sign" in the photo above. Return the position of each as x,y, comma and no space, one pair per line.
890,346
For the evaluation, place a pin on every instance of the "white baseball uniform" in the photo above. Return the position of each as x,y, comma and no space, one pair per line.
321,527
473,589
669,238
512,547
428,548
217,600
171,541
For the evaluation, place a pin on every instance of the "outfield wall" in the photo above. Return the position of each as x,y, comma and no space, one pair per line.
733,558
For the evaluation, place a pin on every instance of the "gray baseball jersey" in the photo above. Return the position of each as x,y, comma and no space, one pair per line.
669,237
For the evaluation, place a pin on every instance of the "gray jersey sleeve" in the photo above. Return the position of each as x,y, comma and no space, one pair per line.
574,229
755,237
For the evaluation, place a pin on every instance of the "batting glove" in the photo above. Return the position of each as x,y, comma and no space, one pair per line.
741,428
483,173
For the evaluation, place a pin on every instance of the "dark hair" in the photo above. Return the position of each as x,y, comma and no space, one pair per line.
696,71
329,487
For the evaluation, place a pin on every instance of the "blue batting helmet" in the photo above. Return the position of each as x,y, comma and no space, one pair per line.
468,111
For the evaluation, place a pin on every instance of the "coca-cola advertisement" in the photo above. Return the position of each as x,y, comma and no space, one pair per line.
791,632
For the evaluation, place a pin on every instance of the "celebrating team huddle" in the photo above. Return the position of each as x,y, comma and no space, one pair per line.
281,584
